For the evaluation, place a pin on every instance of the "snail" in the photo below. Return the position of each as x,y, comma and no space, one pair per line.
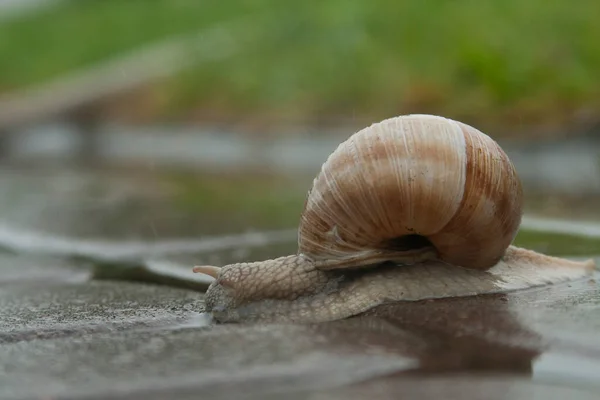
410,208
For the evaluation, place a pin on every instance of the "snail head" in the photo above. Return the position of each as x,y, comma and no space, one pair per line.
225,293
254,287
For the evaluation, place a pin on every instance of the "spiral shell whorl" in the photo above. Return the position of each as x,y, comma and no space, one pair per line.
414,175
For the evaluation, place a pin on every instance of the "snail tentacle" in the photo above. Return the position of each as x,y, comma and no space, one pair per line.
209,270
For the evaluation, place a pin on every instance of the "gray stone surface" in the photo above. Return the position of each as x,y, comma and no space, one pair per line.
38,312
127,340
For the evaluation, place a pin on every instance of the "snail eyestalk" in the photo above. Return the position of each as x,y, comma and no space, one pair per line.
209,270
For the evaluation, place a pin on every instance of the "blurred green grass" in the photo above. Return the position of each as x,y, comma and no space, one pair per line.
258,202
490,61
78,33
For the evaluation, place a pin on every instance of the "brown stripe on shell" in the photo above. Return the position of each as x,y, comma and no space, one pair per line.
490,214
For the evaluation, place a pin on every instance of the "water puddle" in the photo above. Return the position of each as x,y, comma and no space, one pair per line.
16,240
555,225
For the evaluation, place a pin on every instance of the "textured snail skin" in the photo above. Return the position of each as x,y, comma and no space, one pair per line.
291,289
411,208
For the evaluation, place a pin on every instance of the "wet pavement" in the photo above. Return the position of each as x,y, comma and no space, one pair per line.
95,315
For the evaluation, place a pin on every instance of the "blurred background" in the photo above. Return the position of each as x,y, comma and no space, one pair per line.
139,138
157,118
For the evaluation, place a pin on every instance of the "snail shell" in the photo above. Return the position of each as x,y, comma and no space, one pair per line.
418,183
436,198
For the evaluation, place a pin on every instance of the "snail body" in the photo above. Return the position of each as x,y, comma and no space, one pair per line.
410,208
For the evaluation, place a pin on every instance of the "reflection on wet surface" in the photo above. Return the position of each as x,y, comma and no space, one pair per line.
129,339
66,333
